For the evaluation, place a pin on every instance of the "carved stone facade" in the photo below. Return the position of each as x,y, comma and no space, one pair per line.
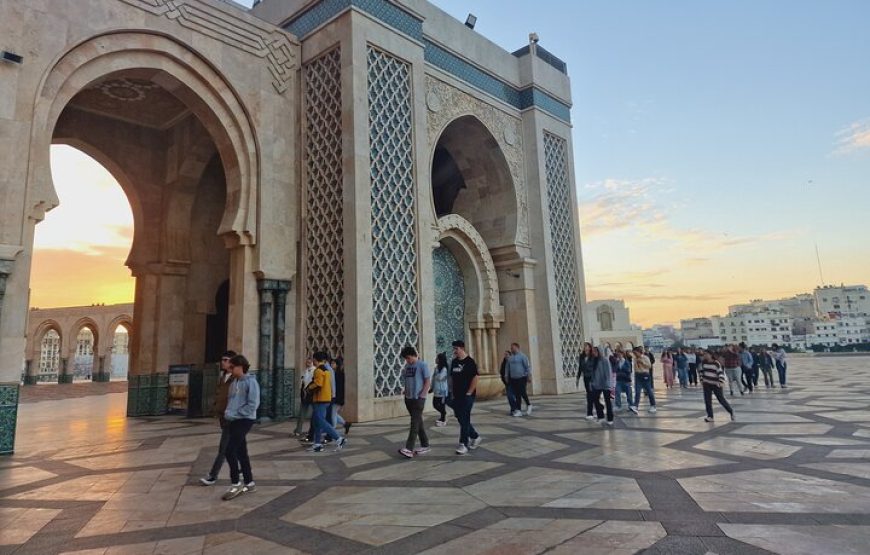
291,168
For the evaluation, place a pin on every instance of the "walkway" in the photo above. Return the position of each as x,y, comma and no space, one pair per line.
790,476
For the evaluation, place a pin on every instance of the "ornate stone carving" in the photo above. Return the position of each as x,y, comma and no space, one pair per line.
505,128
489,304
227,26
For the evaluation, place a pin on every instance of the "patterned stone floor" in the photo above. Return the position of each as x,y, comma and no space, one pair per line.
791,476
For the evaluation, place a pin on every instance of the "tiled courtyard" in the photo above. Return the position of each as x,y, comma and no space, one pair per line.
791,476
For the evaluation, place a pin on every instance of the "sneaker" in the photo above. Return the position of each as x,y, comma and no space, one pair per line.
234,491
406,453
652,410
517,413
733,416
347,426
609,423
440,423
316,448
339,445
707,419
633,409
421,450
590,417
475,443
250,487
208,481
529,409
461,450
306,441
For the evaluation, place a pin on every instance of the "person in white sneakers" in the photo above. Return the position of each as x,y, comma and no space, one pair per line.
440,388
464,377
642,380
417,377
519,373
601,386
712,380
240,414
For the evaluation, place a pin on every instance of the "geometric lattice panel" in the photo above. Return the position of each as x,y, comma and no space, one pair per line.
394,252
564,251
324,218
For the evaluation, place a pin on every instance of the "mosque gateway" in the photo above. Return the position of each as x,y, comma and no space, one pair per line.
348,175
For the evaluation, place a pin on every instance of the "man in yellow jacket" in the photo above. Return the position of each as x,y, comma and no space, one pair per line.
321,388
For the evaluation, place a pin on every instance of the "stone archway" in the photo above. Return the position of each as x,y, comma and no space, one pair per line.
179,141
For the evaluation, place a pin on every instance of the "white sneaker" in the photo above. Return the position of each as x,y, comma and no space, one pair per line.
652,410
609,423
234,491
517,413
207,481
461,450
440,424
421,450
475,443
250,487
529,409
633,409
590,417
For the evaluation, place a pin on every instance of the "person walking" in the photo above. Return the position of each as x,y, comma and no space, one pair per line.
321,388
417,378
642,380
781,364
585,373
668,368
746,364
681,361
731,361
765,363
221,397
601,385
693,366
464,378
519,374
712,380
440,388
243,400
304,400
338,402
623,380
509,393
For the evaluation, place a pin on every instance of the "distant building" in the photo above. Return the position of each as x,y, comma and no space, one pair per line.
696,328
842,300
844,331
801,308
610,322
754,328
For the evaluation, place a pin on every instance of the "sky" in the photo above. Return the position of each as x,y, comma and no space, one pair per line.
715,144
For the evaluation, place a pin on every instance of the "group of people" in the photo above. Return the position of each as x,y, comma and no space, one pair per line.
742,366
607,374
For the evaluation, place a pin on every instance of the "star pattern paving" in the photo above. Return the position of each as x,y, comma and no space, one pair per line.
790,476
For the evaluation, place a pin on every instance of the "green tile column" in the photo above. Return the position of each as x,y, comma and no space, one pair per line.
284,393
147,395
8,417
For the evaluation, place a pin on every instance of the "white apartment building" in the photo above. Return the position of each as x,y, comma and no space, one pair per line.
844,331
697,328
842,300
754,328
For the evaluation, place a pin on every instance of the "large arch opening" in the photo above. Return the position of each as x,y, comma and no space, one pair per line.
471,178
174,136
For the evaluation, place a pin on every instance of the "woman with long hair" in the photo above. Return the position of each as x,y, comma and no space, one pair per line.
668,368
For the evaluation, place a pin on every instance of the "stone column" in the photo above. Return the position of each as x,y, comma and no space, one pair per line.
282,377
101,375
477,337
264,360
8,391
493,349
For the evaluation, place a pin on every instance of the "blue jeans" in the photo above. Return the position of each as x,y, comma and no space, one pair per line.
623,387
321,424
683,376
462,409
643,382
781,367
511,398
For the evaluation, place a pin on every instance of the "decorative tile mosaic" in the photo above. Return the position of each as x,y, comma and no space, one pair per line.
394,251
8,417
449,299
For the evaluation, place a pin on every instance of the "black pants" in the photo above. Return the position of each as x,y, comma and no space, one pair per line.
415,409
709,391
693,374
222,450
237,450
599,410
462,406
518,386
441,406
746,378
590,396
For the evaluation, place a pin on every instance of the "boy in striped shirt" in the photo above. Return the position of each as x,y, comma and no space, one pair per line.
712,379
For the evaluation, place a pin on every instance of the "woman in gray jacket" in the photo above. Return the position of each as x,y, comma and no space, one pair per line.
600,384
241,413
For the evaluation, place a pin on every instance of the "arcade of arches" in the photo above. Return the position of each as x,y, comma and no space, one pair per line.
300,178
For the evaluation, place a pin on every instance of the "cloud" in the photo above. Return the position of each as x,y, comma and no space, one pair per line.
644,206
853,137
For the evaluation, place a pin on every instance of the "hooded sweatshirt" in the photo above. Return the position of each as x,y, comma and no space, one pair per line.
244,398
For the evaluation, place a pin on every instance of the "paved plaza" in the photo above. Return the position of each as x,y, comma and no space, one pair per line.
791,476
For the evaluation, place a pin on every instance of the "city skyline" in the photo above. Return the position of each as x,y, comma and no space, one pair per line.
710,157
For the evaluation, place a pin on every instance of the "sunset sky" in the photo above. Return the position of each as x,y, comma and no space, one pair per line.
715,145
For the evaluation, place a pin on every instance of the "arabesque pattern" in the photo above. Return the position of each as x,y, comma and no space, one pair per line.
564,251
394,250
324,218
